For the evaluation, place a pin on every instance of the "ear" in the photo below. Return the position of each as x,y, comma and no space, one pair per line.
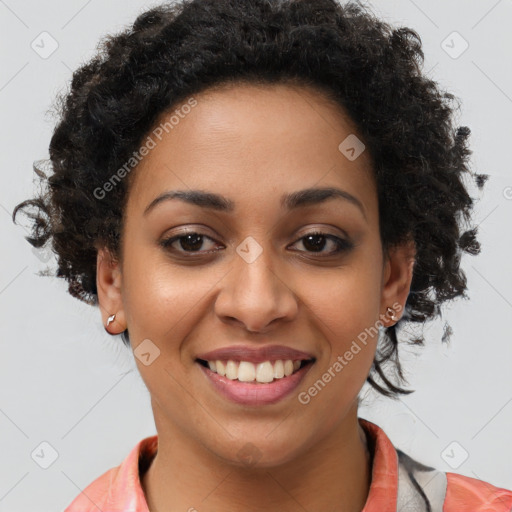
396,281
108,283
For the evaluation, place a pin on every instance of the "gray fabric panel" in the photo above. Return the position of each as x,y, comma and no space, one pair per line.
413,478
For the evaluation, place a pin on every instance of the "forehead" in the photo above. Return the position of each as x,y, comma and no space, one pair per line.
244,140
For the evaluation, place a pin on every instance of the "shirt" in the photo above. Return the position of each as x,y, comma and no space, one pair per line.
399,483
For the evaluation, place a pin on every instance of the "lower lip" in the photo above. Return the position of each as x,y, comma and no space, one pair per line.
248,393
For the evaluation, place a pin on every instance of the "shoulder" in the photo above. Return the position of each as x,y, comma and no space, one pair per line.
466,493
404,484
119,489
445,491
94,496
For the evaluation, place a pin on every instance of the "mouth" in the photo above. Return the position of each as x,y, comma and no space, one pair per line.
264,372
255,384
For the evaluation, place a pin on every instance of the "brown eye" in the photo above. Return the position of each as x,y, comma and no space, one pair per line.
187,242
316,243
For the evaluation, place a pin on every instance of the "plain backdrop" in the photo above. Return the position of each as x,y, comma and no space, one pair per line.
71,397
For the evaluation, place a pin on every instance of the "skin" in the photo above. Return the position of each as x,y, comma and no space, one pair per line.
252,144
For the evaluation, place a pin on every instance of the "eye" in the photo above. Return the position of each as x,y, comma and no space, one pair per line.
192,242
187,242
315,242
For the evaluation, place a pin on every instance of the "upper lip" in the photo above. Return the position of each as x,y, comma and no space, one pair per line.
255,355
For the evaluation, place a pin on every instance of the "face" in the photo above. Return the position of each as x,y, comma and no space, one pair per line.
253,265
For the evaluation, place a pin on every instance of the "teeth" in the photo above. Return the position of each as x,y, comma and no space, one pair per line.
221,369
231,370
288,367
245,371
264,371
278,370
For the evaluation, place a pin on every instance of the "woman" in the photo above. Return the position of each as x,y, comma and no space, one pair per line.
255,193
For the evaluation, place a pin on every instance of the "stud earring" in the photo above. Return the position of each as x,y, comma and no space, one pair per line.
110,319
391,313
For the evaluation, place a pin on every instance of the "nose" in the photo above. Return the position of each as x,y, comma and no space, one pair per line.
254,294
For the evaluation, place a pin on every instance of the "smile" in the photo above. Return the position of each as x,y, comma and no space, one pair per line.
245,371
247,383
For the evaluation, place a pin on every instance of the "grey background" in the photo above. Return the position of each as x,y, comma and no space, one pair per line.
64,381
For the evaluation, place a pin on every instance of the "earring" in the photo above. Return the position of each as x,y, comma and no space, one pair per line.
110,319
391,313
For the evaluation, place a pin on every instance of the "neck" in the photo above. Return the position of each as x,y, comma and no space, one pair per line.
333,474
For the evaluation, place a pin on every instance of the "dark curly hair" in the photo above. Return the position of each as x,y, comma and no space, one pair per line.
367,67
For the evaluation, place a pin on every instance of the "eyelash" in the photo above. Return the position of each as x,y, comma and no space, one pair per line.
341,244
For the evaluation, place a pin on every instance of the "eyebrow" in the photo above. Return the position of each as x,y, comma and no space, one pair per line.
291,201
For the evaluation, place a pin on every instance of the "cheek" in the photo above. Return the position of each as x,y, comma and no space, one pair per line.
163,301
346,316
346,307
348,300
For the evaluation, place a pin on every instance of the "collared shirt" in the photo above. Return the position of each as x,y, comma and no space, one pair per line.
399,484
